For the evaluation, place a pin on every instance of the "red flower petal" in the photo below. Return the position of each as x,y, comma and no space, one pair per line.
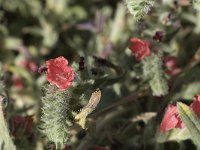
58,73
22,125
195,106
18,82
173,72
170,62
29,124
171,119
29,65
139,48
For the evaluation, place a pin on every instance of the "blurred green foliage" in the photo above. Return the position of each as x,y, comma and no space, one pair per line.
33,31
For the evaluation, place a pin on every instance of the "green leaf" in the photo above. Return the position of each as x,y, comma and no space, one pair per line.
139,8
21,72
11,42
153,72
196,4
93,102
191,121
173,135
57,115
187,85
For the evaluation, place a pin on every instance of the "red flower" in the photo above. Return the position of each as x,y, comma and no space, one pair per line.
18,82
67,148
171,119
139,48
173,72
30,65
59,73
195,106
22,125
171,63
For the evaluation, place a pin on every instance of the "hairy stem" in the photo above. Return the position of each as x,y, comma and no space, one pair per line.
6,142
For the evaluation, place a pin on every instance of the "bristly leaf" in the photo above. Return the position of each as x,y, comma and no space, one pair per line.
191,121
139,8
57,116
152,70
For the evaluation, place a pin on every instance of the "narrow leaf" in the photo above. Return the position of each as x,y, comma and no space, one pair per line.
92,104
191,121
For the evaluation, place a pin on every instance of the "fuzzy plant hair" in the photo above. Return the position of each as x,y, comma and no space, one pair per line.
153,72
57,116
139,8
60,110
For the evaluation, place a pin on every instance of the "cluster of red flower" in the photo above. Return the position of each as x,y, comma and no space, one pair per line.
171,118
62,75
